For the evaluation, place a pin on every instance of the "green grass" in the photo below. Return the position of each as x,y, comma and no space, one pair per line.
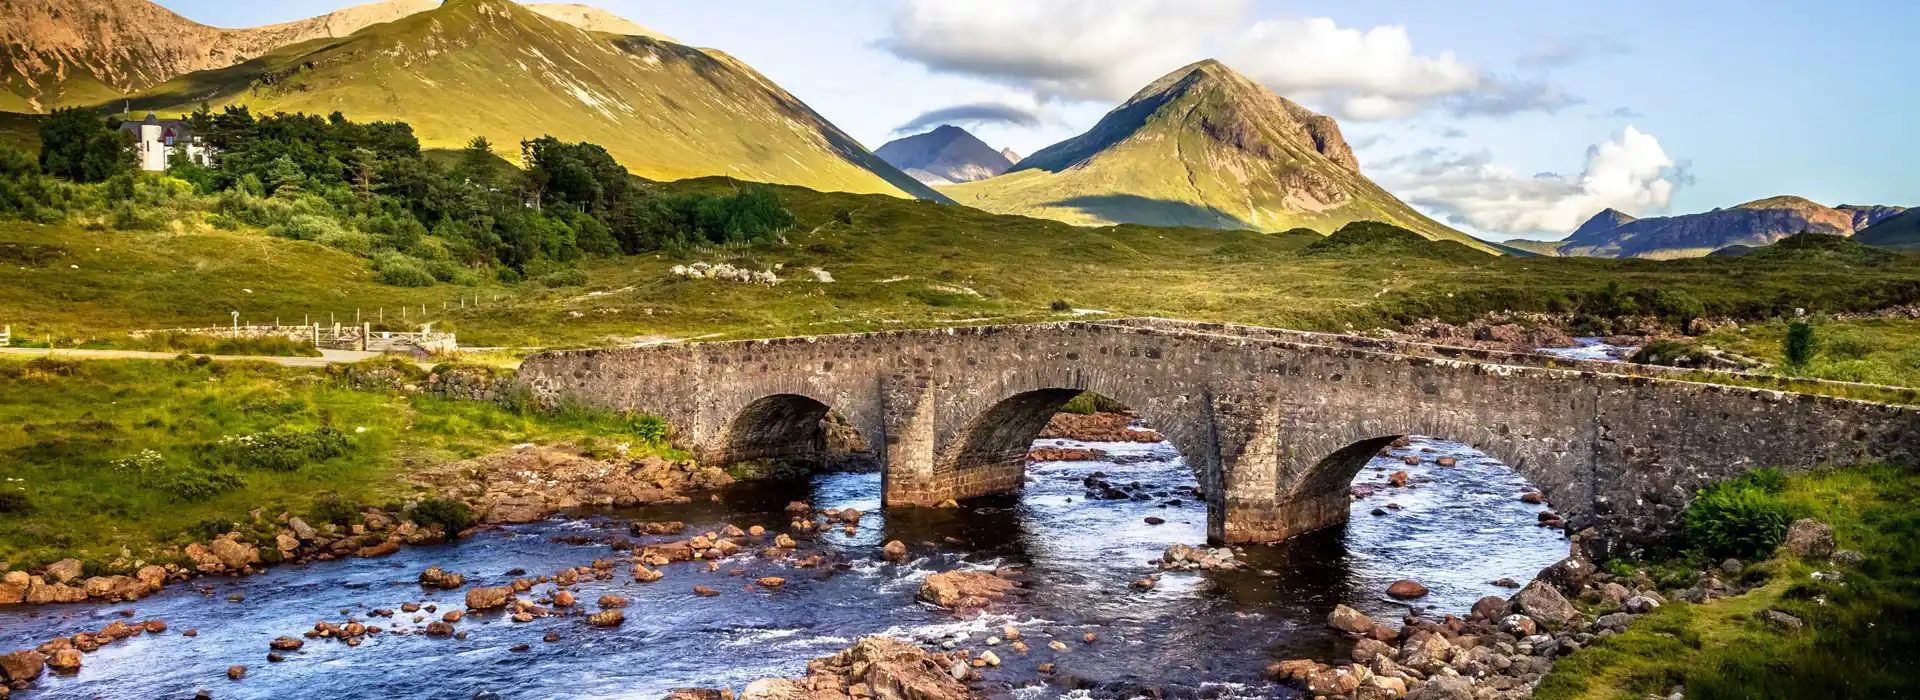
1861,631
130,454
1874,351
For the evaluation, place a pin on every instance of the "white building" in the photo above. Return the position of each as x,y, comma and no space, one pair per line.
155,140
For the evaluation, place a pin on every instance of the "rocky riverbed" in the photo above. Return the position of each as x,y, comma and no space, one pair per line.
637,599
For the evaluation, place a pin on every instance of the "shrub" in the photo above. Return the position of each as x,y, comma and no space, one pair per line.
308,227
650,428
1669,353
452,516
1849,347
354,242
1089,403
330,507
565,277
1743,518
15,503
1060,305
200,483
400,270
1800,345
281,449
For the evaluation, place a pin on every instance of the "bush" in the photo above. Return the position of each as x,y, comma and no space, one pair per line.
400,270
566,277
15,503
1669,353
1849,347
1060,305
308,227
650,428
1800,345
281,449
330,507
1743,518
1089,403
452,516
200,483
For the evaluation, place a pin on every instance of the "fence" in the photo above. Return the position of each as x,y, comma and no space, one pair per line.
336,337
6,336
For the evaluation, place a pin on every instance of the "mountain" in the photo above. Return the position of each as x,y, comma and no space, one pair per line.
1202,146
1898,232
594,19
1547,248
1611,234
1010,155
1868,215
62,53
496,69
944,156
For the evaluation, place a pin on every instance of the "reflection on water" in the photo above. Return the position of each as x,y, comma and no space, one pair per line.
1456,529
1591,349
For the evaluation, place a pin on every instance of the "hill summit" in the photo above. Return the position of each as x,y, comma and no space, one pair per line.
1202,146
944,156
1753,224
496,69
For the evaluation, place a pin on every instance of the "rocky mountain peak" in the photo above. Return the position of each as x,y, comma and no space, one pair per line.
946,155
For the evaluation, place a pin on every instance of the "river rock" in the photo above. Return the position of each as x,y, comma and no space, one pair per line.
784,542
1491,608
1568,575
1406,588
1614,621
236,672
488,598
43,593
1533,497
1366,649
1544,604
436,577
439,628
1640,604
233,554
894,551
64,570
770,581
1614,593
22,666
1349,620
645,575
1443,688
705,592
1427,652
1808,538
1398,479
607,618
889,669
563,599
203,559
285,644
1519,625
959,590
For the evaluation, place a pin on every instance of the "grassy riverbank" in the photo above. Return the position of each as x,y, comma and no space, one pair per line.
109,461
1875,351
1860,631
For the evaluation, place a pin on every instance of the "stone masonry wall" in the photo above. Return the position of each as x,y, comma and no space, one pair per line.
1275,429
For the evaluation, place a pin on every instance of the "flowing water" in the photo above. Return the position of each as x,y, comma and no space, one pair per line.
1591,349
1196,634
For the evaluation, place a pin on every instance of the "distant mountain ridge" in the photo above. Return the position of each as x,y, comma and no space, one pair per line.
1612,234
497,69
1201,146
64,53
944,156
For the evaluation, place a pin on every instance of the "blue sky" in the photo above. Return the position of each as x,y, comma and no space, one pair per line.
1503,118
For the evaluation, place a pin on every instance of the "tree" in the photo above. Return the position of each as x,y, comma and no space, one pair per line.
81,146
1800,345
1679,307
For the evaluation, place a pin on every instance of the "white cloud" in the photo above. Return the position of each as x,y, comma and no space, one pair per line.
1630,172
1061,49
1369,74
1105,50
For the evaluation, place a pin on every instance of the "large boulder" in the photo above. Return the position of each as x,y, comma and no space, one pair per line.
959,590
1427,652
234,554
488,598
13,587
1491,608
1568,575
1808,538
436,577
22,666
1544,604
1349,620
1443,688
64,570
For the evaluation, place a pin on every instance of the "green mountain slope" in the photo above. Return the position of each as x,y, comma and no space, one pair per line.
1202,146
1899,232
493,68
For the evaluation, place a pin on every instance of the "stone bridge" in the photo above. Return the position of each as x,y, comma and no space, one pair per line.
1274,428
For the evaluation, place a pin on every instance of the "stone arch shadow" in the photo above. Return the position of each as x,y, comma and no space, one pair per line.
784,426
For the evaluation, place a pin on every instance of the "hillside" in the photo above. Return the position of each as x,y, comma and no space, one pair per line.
1202,146
594,19
62,53
493,68
1898,232
944,156
1612,234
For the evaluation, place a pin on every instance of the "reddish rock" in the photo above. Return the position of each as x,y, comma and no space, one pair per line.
1406,588
1398,479
958,590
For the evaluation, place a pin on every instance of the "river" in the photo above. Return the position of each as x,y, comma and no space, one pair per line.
1195,634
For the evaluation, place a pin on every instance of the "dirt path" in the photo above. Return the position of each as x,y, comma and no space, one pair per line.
326,357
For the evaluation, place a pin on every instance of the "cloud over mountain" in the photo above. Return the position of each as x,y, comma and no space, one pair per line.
1101,50
1630,172
973,114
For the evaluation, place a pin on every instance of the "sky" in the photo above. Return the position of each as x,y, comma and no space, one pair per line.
1502,118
